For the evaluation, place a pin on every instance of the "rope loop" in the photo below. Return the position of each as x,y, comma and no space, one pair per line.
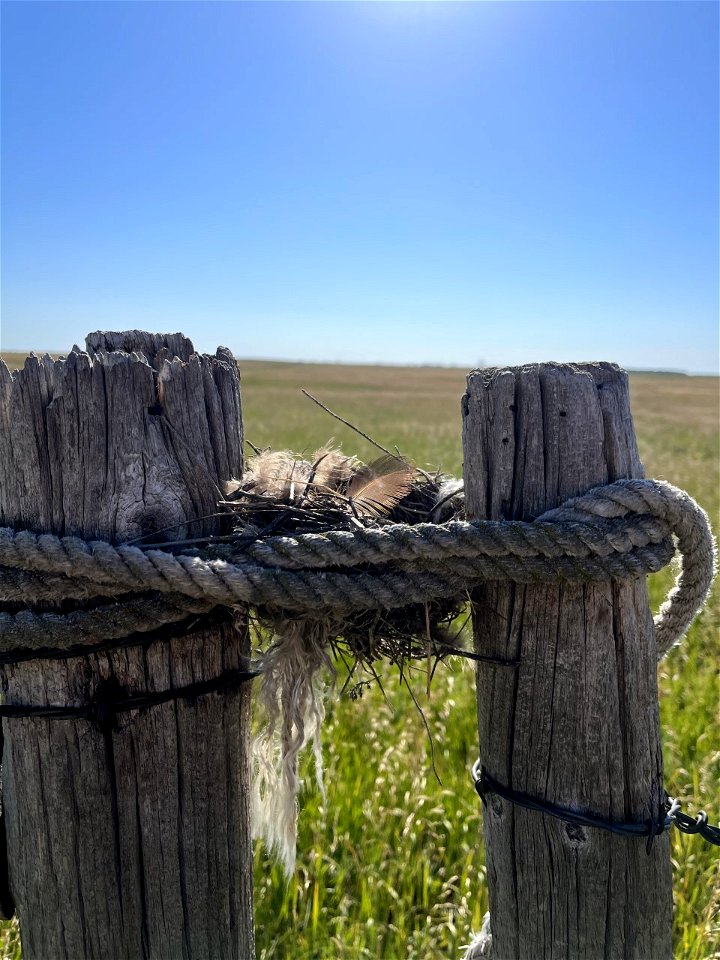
624,529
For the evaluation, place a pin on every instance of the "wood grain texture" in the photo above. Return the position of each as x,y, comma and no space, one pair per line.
134,845
577,723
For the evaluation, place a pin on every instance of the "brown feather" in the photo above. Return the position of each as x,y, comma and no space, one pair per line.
379,486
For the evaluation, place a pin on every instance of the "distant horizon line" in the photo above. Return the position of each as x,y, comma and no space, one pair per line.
670,372
426,364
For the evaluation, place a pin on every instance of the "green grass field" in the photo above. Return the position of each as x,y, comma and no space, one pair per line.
392,866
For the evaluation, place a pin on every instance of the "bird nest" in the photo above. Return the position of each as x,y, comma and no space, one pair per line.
281,494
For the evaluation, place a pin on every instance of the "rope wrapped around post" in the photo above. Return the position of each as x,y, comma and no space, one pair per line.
624,529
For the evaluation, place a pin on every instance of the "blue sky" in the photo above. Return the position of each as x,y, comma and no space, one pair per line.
398,182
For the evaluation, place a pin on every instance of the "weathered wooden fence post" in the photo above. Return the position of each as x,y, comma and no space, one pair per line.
577,723
137,844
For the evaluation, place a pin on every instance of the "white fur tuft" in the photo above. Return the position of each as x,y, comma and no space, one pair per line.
291,697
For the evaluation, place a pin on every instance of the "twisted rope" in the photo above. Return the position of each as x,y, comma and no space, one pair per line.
621,530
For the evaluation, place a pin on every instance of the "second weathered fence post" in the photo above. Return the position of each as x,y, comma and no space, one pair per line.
133,840
577,723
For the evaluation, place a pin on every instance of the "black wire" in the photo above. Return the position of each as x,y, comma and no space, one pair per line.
690,825
669,815
445,649
110,699
485,784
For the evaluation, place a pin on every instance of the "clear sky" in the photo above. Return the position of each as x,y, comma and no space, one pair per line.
365,181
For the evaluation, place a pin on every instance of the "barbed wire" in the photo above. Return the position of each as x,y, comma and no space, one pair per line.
669,813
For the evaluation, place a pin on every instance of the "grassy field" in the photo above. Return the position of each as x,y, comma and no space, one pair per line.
392,866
